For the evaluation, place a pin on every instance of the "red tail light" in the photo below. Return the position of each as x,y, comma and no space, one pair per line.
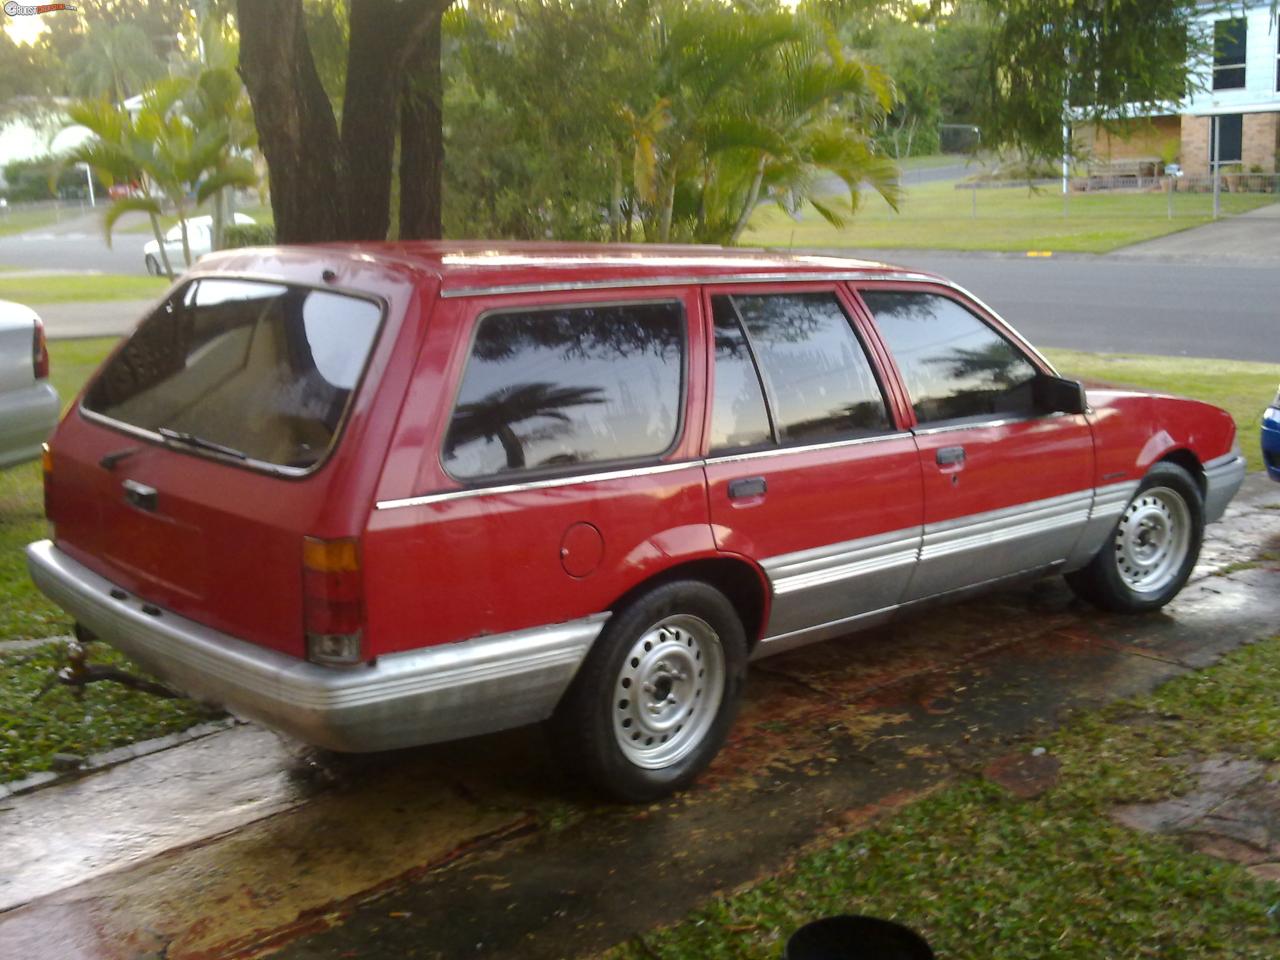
333,600
40,352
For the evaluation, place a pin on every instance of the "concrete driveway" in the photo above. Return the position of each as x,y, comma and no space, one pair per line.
1252,236
239,846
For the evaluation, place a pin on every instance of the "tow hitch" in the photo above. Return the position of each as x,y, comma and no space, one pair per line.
79,673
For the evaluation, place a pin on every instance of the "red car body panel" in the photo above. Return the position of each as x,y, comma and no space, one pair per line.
443,562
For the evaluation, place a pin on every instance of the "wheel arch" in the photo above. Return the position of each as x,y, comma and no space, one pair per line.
741,581
1189,462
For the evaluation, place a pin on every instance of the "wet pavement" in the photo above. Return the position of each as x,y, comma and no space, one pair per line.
240,845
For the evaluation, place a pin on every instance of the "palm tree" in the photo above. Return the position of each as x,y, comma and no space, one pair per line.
115,61
753,107
162,150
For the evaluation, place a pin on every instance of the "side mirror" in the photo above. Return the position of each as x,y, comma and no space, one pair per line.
1059,395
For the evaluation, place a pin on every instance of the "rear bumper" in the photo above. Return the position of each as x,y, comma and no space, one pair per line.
1271,441
424,696
27,417
1222,478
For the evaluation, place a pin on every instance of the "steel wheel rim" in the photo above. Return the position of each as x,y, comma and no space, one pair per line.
1152,540
668,691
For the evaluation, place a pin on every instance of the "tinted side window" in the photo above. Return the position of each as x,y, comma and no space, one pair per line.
954,365
738,415
819,379
551,388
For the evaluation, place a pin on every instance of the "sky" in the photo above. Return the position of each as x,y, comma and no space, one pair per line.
25,29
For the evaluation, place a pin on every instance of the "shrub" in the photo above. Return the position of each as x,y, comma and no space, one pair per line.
248,235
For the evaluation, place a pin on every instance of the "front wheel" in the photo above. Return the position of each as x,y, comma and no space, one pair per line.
656,696
1153,548
153,266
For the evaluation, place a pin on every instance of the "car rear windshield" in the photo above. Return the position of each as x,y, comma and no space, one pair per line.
243,369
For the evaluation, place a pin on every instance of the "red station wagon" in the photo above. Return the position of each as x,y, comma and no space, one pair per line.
383,495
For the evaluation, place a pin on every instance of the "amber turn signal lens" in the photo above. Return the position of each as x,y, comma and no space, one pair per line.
330,556
46,459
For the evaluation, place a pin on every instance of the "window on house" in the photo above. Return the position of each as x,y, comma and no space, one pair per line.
1228,140
1229,53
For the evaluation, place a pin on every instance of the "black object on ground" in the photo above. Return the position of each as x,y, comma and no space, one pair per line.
854,937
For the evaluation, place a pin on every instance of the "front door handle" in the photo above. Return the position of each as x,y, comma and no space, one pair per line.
747,487
949,456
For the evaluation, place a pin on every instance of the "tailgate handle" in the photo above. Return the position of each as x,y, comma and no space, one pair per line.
140,495
949,456
747,487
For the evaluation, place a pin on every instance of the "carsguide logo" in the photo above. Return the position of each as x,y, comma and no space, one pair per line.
19,10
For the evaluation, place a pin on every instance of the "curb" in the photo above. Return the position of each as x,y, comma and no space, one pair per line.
112,758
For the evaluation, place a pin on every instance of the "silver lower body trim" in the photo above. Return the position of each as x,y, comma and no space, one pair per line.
423,696
1222,479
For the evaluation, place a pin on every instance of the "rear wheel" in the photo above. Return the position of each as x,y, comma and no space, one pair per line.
153,266
656,696
1153,548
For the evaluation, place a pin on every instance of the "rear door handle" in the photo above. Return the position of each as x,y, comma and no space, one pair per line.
949,456
747,487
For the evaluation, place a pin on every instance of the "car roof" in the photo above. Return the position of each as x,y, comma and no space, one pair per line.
473,267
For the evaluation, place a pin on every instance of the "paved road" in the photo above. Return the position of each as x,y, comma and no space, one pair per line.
1209,292
1228,310
76,244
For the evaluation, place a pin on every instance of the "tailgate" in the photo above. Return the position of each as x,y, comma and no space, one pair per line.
201,453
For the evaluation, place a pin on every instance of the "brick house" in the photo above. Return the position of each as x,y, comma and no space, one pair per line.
1240,94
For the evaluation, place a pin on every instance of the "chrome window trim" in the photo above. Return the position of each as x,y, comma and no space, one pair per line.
560,286
528,485
805,448
445,496
978,425
1022,341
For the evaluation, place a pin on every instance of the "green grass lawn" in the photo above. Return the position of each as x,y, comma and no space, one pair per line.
109,715
985,876
19,220
1240,387
24,611
938,216
65,288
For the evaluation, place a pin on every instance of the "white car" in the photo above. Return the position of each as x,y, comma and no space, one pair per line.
29,405
199,241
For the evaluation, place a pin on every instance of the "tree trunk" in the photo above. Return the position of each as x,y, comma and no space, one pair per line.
374,64
164,254
219,219
753,197
615,200
296,128
422,142
668,206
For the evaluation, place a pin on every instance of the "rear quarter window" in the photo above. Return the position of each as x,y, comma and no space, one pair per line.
551,388
265,370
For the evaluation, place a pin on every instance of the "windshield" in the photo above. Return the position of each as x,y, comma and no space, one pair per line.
264,370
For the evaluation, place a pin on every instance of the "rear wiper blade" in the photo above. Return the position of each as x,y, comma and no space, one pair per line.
191,440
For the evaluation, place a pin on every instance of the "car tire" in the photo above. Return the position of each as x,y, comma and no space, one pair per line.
153,266
1152,549
656,696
